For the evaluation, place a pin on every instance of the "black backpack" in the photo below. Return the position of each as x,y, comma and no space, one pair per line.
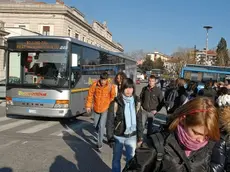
170,99
148,157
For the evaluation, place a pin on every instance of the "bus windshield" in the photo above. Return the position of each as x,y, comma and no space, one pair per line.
38,62
39,68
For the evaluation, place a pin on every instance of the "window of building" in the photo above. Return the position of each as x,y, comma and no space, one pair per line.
46,30
83,38
76,35
69,32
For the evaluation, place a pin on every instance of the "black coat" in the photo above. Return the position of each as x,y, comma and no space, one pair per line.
175,158
116,123
220,160
182,95
151,99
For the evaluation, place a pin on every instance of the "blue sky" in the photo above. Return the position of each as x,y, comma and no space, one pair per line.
159,25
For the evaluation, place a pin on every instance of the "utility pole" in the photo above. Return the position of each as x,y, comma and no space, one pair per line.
195,53
207,29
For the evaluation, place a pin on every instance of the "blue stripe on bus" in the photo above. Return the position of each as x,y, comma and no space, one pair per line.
205,71
32,100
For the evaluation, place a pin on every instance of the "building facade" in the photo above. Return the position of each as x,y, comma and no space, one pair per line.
156,55
3,33
56,19
201,58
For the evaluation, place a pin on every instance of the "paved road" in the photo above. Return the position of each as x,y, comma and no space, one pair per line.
44,145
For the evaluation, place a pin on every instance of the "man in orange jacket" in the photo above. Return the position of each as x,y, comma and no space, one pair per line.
101,93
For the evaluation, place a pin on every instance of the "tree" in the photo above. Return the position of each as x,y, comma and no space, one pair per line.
147,65
158,64
222,58
183,56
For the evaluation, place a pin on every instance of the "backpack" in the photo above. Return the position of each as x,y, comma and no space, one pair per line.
148,158
170,100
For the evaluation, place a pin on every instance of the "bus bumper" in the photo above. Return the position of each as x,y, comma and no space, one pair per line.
38,112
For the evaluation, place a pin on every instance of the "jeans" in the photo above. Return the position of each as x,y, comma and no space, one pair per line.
130,146
150,117
100,125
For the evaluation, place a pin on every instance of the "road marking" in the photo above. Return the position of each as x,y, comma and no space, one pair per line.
4,118
14,124
8,144
38,127
70,129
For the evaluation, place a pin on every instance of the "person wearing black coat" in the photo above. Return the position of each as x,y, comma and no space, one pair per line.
188,145
220,159
124,124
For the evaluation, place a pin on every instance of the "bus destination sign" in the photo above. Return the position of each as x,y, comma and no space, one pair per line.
40,45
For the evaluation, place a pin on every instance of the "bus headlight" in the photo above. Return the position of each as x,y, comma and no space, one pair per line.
9,101
61,104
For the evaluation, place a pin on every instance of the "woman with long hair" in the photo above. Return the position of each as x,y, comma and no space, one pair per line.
188,145
118,80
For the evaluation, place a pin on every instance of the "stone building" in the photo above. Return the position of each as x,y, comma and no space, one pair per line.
56,19
28,17
3,33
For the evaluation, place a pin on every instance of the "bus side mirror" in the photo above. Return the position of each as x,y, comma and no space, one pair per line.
74,60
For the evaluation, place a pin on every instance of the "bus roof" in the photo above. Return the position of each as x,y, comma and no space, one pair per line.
208,67
119,54
200,69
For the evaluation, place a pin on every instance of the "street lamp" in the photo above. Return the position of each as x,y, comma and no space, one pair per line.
207,29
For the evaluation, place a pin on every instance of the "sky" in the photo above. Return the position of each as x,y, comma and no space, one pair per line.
159,25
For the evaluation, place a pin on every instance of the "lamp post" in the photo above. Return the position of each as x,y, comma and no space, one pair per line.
207,29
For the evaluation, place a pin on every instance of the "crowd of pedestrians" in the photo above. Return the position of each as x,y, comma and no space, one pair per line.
196,137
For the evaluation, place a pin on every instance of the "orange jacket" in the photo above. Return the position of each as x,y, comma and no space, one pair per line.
100,96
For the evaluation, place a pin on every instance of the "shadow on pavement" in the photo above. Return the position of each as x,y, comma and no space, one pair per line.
87,158
6,169
35,118
91,138
61,165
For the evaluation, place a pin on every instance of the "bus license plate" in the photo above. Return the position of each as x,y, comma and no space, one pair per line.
32,111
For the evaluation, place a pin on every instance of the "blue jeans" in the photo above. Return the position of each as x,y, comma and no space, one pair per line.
130,146
101,125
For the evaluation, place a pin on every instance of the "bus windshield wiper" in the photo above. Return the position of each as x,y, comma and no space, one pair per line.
49,86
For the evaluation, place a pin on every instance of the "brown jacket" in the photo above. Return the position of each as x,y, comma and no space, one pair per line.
100,96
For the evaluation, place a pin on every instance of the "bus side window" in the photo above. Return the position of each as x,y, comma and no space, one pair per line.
76,72
75,77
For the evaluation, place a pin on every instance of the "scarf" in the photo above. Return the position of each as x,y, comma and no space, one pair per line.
130,114
188,142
